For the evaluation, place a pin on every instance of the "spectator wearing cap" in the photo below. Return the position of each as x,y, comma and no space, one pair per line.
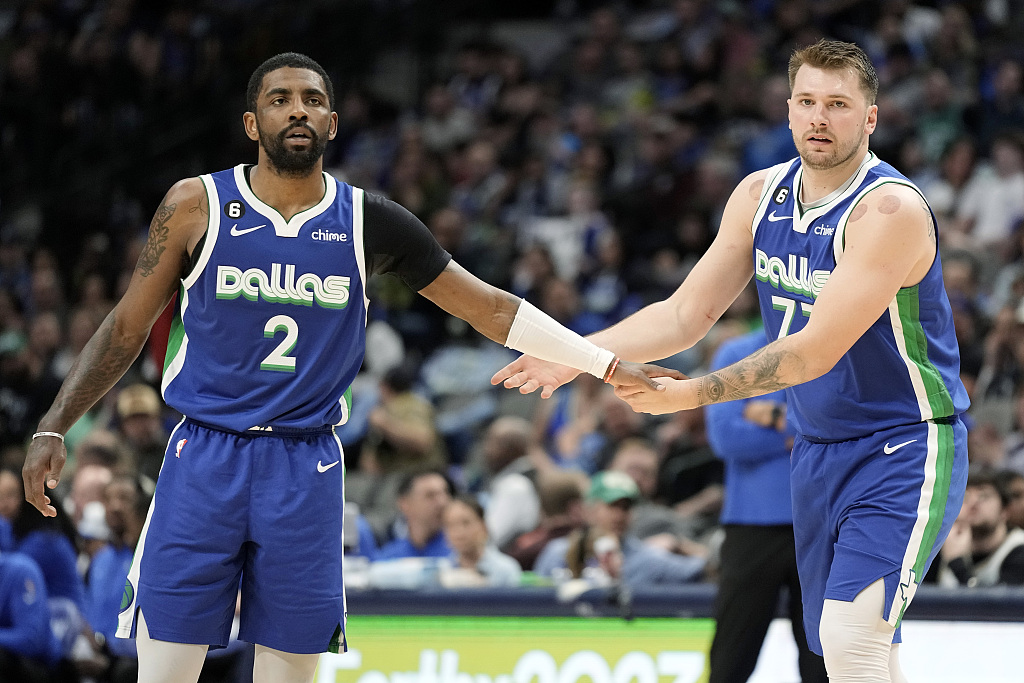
139,410
604,550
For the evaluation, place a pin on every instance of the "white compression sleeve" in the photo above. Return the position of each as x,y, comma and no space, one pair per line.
537,334
856,641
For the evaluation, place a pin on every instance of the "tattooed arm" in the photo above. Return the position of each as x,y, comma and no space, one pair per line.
174,231
890,243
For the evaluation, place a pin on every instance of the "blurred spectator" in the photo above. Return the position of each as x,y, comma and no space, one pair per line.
509,494
1012,482
139,411
582,427
126,502
51,542
772,141
10,494
422,498
1001,109
758,555
402,437
621,557
690,479
402,433
991,207
477,562
561,507
88,483
28,649
445,125
981,549
653,522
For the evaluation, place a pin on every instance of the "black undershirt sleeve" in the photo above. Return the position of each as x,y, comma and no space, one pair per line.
395,241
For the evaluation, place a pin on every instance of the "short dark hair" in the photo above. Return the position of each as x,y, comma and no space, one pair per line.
983,478
472,503
835,55
292,60
410,479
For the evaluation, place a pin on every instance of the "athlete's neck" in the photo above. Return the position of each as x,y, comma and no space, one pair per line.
816,184
288,194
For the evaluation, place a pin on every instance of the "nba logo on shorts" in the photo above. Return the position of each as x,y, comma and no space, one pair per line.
181,444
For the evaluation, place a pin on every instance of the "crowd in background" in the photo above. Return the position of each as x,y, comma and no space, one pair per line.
578,154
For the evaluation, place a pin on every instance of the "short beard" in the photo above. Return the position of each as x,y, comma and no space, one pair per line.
831,161
292,163
983,531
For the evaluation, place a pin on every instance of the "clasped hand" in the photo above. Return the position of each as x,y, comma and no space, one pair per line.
634,382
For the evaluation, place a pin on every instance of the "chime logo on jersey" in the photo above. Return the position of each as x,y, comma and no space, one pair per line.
795,277
282,286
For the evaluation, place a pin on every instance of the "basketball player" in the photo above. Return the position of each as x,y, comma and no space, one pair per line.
846,261
271,263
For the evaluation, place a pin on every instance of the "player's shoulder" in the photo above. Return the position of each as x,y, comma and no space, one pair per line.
186,189
898,200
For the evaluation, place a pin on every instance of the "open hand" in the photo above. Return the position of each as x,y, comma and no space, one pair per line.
43,464
529,374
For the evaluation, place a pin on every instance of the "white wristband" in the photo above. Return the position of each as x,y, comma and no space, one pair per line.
537,334
56,435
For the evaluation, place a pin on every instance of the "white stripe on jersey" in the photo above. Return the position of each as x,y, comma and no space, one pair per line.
920,525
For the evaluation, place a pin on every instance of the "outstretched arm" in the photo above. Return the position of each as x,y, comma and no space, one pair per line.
667,327
508,320
890,243
176,227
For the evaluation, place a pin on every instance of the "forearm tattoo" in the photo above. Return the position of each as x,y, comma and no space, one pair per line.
158,233
101,363
755,375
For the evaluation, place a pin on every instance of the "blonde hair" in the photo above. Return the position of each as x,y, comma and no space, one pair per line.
835,55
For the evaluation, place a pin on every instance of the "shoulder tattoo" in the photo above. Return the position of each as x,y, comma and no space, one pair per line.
158,233
928,216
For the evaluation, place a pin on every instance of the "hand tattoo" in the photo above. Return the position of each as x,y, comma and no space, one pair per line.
158,233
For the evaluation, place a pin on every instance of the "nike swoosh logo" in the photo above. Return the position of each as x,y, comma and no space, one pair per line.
320,467
235,232
889,450
771,217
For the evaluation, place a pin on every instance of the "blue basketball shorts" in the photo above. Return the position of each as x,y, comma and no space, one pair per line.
877,507
260,512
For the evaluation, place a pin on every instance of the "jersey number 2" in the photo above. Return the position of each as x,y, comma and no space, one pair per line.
279,359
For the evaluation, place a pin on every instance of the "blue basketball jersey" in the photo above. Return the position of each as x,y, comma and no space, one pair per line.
905,368
271,322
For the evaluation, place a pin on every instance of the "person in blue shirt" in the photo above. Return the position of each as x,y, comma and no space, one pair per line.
50,541
422,497
28,648
758,556
126,503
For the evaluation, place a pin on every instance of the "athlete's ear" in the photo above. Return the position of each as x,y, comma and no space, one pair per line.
332,129
872,120
249,123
